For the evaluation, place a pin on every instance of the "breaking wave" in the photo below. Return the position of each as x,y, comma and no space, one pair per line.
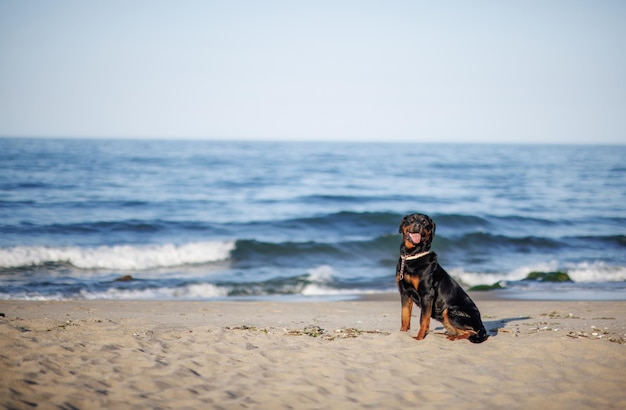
122,257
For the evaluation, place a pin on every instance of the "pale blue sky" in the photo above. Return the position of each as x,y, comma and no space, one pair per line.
434,71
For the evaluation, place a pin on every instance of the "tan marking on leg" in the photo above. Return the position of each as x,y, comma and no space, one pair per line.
407,309
454,333
424,323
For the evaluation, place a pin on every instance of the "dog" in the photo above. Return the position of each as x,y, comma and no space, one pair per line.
421,280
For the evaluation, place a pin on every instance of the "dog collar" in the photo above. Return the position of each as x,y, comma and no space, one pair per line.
413,257
409,258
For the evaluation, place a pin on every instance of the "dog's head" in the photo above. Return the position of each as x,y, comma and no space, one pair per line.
418,231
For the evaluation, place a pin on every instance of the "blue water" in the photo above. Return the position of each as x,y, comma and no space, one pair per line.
223,220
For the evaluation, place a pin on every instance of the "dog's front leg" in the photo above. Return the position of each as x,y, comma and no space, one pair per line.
407,309
426,312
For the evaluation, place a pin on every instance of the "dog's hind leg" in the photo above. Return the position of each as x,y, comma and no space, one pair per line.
453,332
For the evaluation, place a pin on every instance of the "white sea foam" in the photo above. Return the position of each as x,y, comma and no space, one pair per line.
31,296
195,291
320,290
321,277
322,273
579,273
189,292
597,272
123,257
476,278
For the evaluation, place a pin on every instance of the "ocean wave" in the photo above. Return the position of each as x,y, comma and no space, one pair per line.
323,280
345,220
321,274
106,227
191,291
597,272
479,241
584,272
319,280
252,251
34,295
320,290
188,292
615,240
123,257
460,220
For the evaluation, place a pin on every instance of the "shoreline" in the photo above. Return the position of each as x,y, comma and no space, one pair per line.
571,294
519,296
342,354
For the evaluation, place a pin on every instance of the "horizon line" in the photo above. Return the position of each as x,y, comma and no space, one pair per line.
308,140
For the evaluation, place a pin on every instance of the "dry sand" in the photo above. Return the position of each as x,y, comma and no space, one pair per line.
273,355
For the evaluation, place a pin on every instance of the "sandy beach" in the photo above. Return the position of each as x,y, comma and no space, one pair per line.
273,355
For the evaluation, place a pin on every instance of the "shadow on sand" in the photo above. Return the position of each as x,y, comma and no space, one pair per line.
493,327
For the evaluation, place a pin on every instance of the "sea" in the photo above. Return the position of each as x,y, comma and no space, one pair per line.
303,221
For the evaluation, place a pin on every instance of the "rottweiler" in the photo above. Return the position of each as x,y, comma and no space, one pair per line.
422,280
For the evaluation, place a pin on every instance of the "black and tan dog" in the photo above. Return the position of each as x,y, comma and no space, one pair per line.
422,280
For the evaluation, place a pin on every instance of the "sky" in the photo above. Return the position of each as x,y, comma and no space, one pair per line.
408,71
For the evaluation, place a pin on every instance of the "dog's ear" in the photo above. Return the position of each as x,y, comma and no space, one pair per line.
402,223
430,229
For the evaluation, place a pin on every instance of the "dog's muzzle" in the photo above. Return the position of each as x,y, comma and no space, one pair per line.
414,237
